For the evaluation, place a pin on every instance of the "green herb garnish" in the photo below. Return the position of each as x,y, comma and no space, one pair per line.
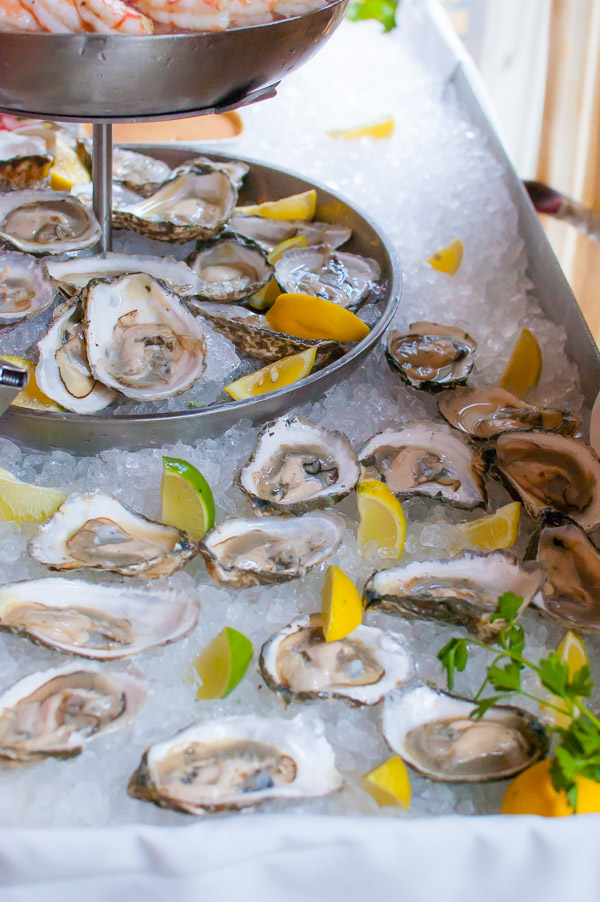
382,10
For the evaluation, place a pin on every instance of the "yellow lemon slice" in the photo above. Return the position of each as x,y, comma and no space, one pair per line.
389,783
223,663
449,258
31,396
187,499
266,296
382,129
296,206
572,651
285,246
276,375
341,605
26,503
67,170
497,530
381,518
305,316
532,792
524,368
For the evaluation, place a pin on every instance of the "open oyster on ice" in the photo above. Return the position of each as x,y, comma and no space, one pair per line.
259,551
141,339
463,591
55,713
25,289
368,663
229,268
94,620
320,271
46,222
75,273
298,466
486,413
423,458
237,762
138,171
271,232
434,733
431,356
96,531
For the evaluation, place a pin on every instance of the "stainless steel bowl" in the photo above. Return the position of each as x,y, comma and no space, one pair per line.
96,77
84,435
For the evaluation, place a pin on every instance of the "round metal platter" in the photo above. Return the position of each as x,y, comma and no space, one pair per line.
85,435
98,77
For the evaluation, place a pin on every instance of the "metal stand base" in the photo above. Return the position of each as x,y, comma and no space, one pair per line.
102,182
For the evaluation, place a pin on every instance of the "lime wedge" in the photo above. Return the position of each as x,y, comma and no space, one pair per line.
187,500
223,663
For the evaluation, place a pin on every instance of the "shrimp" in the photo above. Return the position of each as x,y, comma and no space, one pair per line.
14,17
195,15
57,16
113,15
251,12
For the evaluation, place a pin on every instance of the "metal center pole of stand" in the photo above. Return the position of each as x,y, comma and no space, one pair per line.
102,182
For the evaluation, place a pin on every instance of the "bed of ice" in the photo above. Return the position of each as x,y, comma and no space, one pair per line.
434,180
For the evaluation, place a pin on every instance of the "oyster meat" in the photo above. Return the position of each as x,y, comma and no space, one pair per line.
320,271
230,269
46,222
271,232
362,668
74,274
298,466
94,620
95,531
55,713
25,289
237,762
423,458
431,356
141,339
463,591
434,733
259,551
486,413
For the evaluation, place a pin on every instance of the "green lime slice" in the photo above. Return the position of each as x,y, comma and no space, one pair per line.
223,663
187,500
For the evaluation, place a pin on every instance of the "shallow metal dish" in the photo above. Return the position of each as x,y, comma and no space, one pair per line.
85,435
97,77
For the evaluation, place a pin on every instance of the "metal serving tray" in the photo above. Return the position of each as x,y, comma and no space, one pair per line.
85,435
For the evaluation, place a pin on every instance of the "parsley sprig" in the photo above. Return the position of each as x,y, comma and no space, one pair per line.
578,751
382,10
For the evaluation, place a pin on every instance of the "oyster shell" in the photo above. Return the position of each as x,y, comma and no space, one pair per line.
298,663
549,472
93,620
74,274
194,204
320,271
431,356
24,160
298,466
138,171
235,169
25,289
250,552
55,713
271,232
486,413
434,733
463,591
63,372
46,222
423,458
237,762
95,531
230,269
141,339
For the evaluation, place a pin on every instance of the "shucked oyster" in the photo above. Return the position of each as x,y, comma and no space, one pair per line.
257,551
424,459
237,762
485,413
141,339
271,232
229,269
362,667
462,591
25,289
46,222
56,712
298,466
434,733
344,279
95,531
431,356
94,620
74,274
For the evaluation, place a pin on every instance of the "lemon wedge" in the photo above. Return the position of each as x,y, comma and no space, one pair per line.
296,206
223,663
26,503
266,296
533,792
524,368
389,783
381,518
341,605
497,530
384,128
305,316
288,245
67,169
276,375
187,499
32,396
571,650
449,258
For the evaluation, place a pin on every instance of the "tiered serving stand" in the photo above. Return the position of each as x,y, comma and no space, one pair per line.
105,79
